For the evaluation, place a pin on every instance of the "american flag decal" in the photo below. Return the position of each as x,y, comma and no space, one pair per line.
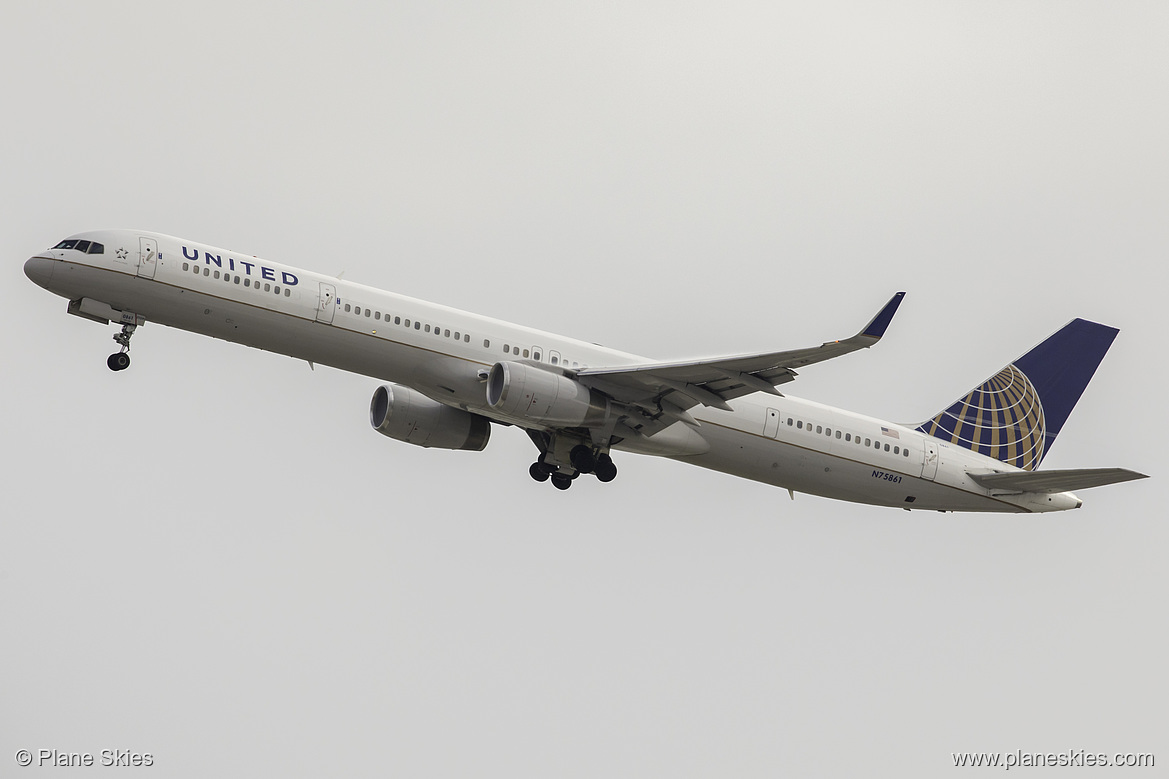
890,433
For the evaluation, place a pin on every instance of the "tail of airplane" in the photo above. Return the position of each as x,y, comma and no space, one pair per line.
1015,415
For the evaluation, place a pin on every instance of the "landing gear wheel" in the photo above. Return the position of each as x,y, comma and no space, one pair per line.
121,360
560,481
606,471
537,472
582,458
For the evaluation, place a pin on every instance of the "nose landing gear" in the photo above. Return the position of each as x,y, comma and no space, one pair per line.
120,361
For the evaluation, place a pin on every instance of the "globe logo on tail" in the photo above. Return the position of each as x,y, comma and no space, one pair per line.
1001,418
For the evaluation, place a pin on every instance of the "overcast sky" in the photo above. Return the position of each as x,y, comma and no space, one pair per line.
211,557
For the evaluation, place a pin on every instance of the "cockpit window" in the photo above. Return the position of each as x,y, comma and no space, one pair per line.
85,247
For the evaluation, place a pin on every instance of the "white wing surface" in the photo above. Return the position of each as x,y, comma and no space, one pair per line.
671,388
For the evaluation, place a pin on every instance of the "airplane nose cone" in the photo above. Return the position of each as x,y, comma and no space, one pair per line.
40,270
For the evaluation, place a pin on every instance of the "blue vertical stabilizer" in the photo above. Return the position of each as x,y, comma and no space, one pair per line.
1015,415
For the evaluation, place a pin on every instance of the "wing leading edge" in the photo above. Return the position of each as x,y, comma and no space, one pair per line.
674,387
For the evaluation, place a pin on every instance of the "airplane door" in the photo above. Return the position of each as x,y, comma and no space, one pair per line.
771,425
929,465
327,303
147,257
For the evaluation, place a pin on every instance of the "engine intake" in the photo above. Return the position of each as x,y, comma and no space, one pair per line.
529,394
405,415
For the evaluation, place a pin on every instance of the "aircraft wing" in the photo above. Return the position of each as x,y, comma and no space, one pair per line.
1055,481
674,387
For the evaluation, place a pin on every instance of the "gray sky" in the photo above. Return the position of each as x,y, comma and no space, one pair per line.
212,558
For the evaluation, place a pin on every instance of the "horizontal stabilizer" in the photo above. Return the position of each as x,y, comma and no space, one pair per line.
1055,481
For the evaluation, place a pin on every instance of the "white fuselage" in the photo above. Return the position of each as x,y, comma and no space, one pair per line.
442,352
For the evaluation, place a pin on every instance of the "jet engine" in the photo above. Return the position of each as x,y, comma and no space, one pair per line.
528,394
405,415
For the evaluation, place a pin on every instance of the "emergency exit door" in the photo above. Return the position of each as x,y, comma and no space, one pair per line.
771,426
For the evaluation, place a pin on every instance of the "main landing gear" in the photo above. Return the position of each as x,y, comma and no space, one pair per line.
581,459
120,361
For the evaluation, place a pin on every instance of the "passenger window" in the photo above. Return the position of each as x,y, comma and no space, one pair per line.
486,344
267,287
555,361
458,337
789,421
905,452
886,447
216,275
467,338
346,308
838,435
896,450
428,328
186,266
506,349
287,293
407,323
868,442
276,290
236,280
847,436
799,425
828,431
535,355
417,325
819,429
377,314
525,352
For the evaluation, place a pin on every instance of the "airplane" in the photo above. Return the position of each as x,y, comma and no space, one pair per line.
451,374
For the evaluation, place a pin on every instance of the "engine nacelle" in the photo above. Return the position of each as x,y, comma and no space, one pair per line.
405,415
529,394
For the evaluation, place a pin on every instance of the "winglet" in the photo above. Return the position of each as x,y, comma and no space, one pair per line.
877,327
